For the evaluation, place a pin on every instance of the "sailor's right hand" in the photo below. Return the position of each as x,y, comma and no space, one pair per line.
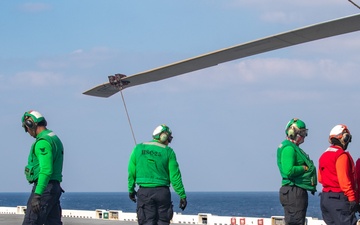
183,204
35,203
132,196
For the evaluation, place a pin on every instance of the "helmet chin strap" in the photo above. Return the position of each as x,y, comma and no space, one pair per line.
344,144
299,139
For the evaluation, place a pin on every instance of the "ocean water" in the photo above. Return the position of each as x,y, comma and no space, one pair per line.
246,204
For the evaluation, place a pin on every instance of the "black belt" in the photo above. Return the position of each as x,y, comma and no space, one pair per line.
50,182
155,187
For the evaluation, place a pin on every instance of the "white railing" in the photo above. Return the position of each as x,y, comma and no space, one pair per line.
178,218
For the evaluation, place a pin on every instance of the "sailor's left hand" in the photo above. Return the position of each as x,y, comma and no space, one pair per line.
354,207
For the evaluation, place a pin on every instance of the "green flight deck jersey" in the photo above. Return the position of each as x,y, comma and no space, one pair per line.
153,164
45,161
290,160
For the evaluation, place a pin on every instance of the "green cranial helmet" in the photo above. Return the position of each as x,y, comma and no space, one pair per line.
31,119
295,127
34,115
162,133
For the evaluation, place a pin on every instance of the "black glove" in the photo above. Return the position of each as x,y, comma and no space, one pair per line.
132,196
35,203
183,204
354,207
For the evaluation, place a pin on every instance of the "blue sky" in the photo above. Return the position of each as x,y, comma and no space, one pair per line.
227,121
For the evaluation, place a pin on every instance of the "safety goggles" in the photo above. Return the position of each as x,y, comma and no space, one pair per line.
303,132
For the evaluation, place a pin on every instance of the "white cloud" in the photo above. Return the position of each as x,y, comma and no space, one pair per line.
77,51
57,70
280,17
286,12
286,3
264,69
34,7
33,78
348,45
78,58
49,64
88,59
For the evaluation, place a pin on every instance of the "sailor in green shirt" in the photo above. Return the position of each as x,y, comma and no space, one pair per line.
153,167
44,170
298,173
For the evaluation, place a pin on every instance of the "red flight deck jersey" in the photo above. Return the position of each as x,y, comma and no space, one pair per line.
337,173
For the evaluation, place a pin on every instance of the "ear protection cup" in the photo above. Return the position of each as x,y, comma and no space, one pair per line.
29,123
346,138
163,137
291,133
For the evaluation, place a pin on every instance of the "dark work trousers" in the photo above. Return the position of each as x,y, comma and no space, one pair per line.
50,213
335,209
295,202
154,206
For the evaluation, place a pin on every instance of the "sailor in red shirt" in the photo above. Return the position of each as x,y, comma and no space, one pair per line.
337,174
